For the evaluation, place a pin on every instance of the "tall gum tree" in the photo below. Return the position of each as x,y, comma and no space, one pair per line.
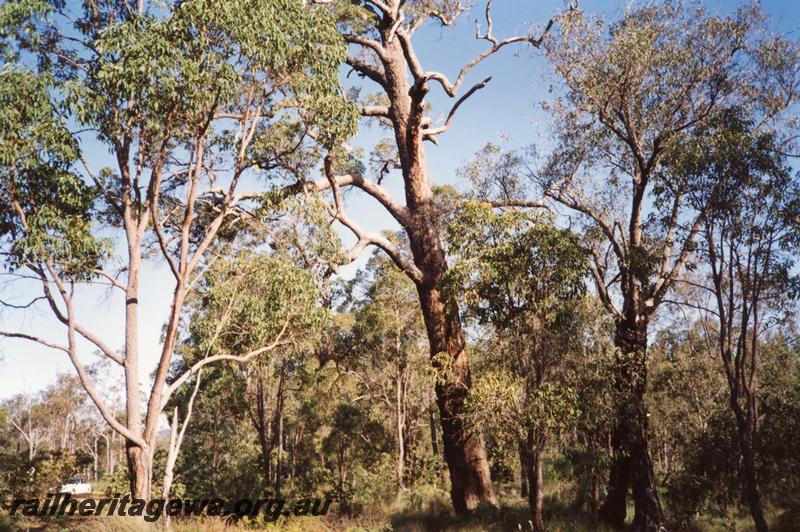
634,90
194,100
246,300
380,36
746,250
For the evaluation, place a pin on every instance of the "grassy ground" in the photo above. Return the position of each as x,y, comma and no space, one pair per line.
418,512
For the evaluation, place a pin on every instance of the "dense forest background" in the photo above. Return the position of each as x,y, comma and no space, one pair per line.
597,330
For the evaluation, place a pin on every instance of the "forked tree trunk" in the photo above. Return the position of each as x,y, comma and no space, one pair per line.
751,485
631,464
464,453
463,446
613,510
140,467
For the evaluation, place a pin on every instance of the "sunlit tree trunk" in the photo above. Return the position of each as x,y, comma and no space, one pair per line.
463,447
139,458
394,66
172,455
140,467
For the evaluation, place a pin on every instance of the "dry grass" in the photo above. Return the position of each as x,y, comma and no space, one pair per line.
426,510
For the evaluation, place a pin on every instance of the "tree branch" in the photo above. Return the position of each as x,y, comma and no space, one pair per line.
88,335
365,239
399,212
373,45
367,69
430,134
375,110
234,358
452,88
36,339
82,375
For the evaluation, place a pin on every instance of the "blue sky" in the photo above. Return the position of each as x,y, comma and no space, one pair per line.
509,107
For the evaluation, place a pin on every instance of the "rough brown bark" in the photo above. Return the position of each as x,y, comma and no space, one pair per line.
463,446
613,510
631,464
464,453
751,487
395,67
140,467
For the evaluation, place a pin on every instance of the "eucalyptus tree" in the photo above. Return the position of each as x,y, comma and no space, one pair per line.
194,100
245,302
289,272
57,418
633,91
24,415
748,246
519,274
380,35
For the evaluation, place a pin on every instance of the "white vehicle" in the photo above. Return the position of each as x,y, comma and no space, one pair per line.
75,485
